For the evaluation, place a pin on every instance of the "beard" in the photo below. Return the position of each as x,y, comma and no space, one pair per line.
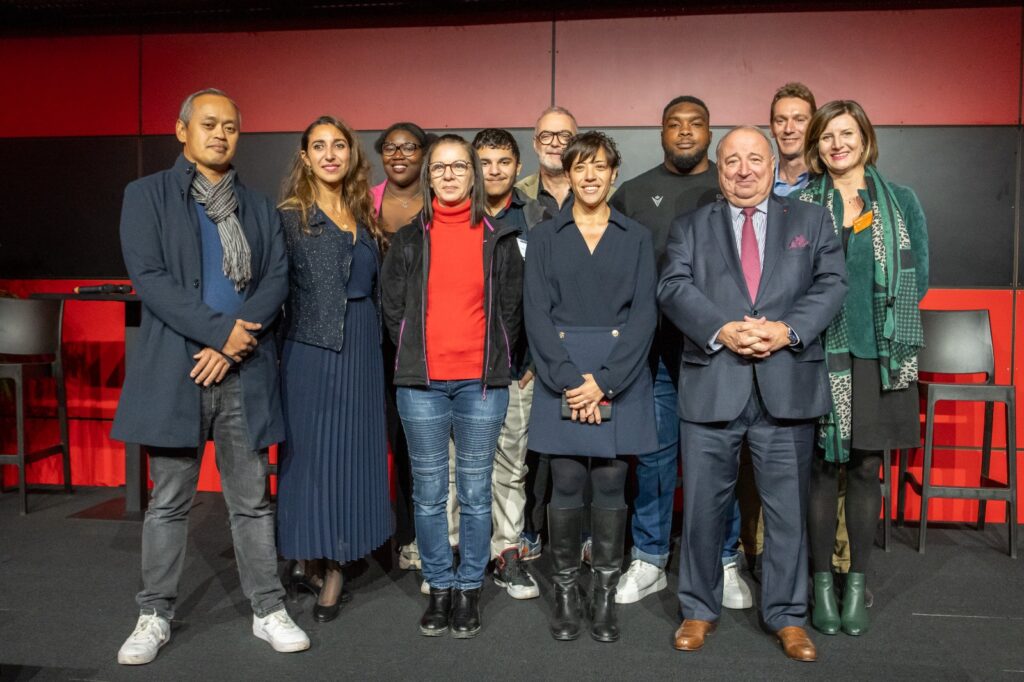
684,163
553,169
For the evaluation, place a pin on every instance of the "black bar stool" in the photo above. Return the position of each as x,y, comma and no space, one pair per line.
30,336
960,342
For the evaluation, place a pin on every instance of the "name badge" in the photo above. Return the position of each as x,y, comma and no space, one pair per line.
522,247
864,222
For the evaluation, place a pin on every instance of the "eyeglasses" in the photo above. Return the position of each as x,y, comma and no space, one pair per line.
408,148
546,136
459,168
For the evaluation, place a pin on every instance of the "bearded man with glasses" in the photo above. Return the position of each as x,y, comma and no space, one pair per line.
550,185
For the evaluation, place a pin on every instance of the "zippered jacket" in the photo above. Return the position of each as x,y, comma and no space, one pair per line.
404,292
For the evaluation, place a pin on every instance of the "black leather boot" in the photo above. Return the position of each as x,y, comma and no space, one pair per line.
564,532
466,613
609,528
435,619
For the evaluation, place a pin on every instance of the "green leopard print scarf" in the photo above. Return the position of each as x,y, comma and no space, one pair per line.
897,319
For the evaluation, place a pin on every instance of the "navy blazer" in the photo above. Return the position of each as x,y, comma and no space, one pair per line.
567,286
803,283
160,241
319,265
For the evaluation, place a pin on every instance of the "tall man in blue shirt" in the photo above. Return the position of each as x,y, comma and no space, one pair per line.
792,108
207,257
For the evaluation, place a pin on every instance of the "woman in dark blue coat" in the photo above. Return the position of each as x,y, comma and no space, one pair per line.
333,502
589,303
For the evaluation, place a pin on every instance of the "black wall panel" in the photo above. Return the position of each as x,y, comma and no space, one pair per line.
61,199
965,178
67,227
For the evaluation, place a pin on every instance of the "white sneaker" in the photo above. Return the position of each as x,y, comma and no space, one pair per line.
280,631
151,633
735,592
640,580
409,557
425,588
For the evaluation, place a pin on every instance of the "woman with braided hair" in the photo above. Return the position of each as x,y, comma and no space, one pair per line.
871,347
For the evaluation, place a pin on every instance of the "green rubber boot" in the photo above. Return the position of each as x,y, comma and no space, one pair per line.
825,617
855,613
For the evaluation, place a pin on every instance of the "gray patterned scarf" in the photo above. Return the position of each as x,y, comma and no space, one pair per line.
220,204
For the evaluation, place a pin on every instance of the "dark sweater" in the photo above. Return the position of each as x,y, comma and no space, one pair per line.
656,198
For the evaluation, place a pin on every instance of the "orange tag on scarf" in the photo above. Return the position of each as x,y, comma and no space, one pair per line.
864,222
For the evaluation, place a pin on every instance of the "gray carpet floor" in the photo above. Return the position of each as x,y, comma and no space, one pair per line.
66,605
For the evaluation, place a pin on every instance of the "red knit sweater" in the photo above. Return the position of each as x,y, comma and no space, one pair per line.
455,295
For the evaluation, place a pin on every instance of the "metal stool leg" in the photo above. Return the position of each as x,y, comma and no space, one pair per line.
926,475
62,419
1011,474
19,413
886,500
986,459
901,485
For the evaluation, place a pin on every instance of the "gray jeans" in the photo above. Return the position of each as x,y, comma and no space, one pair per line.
243,475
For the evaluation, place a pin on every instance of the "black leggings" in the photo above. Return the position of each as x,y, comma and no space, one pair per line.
569,478
863,500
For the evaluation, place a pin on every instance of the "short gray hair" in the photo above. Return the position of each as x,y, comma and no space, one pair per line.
185,113
756,129
556,110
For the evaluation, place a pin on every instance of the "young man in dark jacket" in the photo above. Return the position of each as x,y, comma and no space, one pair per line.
499,158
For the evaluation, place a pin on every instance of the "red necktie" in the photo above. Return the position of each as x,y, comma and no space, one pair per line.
749,259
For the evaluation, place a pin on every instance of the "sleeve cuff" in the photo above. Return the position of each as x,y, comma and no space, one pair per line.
713,345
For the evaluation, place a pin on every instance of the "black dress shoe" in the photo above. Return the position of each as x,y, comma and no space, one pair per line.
466,614
325,614
435,619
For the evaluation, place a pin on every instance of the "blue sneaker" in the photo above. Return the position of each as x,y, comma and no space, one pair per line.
529,546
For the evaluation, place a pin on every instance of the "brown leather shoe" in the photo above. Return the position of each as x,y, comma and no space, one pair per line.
797,644
691,633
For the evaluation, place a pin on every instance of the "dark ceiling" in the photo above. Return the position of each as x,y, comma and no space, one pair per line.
34,17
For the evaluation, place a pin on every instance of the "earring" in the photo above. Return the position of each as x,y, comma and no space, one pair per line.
309,170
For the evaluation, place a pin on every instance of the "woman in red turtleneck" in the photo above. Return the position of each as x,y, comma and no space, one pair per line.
452,303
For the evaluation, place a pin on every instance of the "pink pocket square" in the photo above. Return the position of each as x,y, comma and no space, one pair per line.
798,242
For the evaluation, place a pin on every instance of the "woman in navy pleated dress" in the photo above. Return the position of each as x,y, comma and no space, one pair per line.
333,495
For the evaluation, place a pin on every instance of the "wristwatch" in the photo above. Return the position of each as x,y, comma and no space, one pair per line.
794,340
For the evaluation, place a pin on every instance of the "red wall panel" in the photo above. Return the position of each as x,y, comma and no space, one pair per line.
436,76
69,86
934,67
94,356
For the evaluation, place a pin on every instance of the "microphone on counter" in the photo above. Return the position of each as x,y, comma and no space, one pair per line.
104,289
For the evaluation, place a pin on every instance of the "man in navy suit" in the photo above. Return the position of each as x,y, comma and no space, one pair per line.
751,281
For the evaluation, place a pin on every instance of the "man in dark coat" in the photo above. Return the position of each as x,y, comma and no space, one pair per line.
751,281
207,257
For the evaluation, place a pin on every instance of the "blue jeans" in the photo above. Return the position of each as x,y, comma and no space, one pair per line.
656,484
430,416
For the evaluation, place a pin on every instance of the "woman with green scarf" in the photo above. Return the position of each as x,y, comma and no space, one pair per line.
871,347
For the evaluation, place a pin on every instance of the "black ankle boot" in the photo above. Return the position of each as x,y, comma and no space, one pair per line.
609,536
466,613
564,531
435,619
